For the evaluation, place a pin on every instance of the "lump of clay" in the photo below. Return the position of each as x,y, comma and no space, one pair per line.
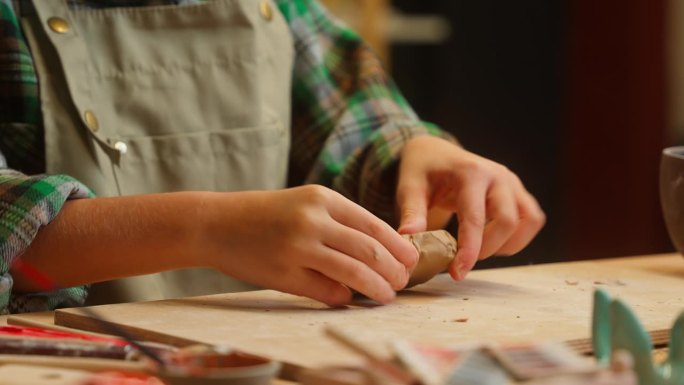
436,250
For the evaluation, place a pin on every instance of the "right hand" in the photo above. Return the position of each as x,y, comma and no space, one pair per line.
308,241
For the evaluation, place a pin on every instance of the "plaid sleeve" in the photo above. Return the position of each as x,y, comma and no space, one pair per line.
27,204
349,119
21,139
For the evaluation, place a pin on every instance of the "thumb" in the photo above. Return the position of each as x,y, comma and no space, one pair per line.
412,199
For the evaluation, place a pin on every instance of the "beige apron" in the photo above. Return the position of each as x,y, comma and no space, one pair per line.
164,98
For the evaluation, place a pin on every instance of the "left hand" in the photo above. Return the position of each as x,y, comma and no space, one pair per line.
496,214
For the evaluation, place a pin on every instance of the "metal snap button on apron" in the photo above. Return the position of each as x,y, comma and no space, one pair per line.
91,120
122,147
266,10
59,25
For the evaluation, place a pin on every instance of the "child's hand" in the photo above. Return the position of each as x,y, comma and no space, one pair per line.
308,241
496,214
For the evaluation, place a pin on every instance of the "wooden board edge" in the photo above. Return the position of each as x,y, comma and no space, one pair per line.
83,322
18,320
660,338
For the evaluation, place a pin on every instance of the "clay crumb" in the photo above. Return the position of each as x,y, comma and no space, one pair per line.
599,283
465,299
465,319
571,283
620,283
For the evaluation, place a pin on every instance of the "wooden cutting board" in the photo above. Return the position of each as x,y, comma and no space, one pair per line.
529,303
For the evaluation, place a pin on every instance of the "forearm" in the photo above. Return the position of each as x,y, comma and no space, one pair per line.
92,240
307,241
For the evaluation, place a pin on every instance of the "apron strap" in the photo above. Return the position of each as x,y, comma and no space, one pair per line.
56,21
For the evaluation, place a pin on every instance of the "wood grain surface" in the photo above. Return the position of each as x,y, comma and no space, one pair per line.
529,303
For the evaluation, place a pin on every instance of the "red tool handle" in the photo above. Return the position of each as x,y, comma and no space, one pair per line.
26,331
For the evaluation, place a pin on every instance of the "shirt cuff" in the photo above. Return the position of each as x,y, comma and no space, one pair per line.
370,176
27,203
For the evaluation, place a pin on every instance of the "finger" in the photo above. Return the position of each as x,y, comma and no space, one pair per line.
438,218
312,284
532,219
362,247
352,273
502,211
412,199
354,216
470,210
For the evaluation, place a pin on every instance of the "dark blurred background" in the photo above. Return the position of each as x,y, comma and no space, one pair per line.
576,97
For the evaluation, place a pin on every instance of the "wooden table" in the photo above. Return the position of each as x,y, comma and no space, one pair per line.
540,302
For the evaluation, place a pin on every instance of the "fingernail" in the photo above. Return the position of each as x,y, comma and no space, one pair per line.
416,258
400,282
389,297
462,271
411,225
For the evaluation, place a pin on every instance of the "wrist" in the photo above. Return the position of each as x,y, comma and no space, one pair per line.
225,228
203,228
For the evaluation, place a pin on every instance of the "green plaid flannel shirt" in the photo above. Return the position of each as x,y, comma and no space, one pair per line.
349,125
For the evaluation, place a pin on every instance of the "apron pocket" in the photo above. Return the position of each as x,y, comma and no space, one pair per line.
226,160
